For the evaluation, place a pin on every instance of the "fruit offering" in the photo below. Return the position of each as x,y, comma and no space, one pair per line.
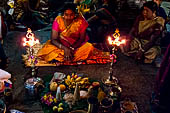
62,87
71,81
58,108
53,86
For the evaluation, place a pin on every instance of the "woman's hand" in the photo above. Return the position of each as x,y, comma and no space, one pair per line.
68,54
126,47
139,55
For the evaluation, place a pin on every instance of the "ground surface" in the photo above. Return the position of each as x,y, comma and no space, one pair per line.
136,79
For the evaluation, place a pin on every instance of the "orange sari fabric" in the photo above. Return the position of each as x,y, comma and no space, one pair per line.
68,36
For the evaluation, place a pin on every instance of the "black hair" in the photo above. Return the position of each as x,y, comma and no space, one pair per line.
69,5
151,5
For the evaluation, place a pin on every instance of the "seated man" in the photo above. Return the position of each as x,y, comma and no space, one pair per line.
144,36
68,38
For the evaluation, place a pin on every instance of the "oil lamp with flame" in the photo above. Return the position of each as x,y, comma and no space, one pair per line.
115,41
29,41
33,84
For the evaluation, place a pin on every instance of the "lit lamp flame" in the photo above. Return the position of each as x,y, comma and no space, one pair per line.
116,41
30,39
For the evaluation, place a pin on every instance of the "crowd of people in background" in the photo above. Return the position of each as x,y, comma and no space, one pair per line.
102,20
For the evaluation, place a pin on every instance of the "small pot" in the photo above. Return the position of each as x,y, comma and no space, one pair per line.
106,105
32,86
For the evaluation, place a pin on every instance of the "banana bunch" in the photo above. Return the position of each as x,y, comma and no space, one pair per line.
71,81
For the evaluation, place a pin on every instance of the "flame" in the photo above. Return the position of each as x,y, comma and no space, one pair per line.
116,41
30,39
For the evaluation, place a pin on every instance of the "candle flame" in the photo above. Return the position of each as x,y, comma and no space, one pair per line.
116,41
30,39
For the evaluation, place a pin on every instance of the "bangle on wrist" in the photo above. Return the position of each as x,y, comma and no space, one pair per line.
71,48
141,50
60,46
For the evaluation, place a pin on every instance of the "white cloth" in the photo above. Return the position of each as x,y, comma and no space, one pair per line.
4,75
11,11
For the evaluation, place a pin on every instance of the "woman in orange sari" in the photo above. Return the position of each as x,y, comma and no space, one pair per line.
68,38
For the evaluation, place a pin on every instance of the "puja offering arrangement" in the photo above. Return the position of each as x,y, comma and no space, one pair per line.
71,92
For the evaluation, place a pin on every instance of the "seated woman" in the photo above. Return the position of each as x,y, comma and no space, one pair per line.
145,34
68,38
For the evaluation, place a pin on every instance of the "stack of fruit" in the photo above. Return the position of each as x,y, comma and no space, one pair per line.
71,81
50,100
54,85
58,108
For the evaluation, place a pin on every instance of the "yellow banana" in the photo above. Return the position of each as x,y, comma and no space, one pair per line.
85,79
72,80
81,82
75,76
73,83
68,77
78,79
67,82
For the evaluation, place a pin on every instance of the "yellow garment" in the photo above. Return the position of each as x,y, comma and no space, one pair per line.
150,54
20,2
50,52
83,52
143,25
